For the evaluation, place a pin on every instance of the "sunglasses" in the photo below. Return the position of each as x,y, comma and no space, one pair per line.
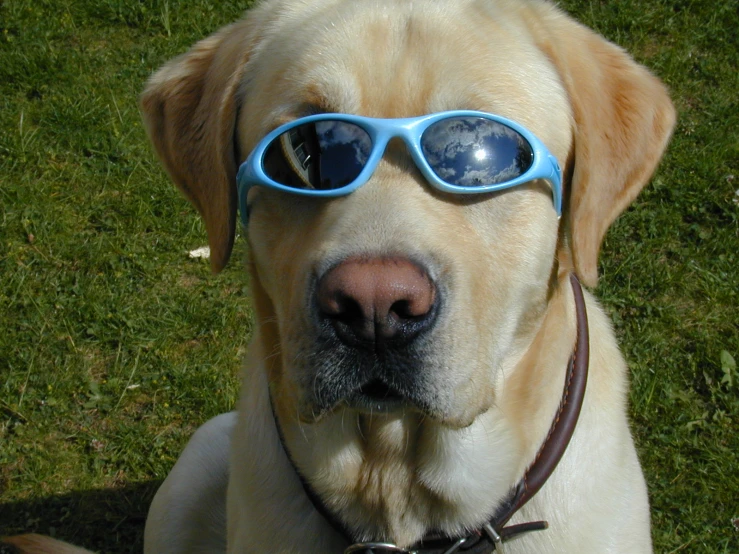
461,152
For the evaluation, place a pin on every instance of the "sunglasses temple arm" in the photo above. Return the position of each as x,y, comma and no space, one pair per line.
555,178
243,186
557,194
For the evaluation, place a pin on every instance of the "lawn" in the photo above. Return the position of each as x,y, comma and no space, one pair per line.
115,345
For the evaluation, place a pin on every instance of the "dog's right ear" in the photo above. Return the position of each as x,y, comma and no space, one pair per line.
622,120
190,108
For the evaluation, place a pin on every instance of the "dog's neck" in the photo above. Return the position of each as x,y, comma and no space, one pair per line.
396,477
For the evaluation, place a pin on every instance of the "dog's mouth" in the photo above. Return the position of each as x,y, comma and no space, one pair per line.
391,380
377,396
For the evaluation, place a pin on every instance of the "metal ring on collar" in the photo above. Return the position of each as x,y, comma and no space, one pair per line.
371,547
456,546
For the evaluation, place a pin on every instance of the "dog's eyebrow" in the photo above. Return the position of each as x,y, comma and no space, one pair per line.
304,109
311,108
317,100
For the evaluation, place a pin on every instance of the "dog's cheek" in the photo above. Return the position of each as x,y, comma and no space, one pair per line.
499,294
518,240
281,239
278,251
282,341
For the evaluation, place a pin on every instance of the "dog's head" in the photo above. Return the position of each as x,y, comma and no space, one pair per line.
398,296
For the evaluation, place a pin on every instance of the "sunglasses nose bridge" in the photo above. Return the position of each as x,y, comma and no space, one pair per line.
406,131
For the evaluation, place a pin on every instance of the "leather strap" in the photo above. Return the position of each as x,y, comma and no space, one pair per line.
486,539
564,423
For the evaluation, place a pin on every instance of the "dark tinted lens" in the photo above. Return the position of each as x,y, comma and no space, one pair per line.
474,151
321,155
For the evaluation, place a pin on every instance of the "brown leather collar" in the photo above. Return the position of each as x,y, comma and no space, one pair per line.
493,533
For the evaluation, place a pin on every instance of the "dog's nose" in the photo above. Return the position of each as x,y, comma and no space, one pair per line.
374,300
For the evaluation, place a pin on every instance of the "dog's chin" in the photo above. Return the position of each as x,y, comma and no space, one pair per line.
371,398
377,399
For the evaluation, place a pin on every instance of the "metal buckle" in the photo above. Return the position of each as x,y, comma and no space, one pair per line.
492,533
379,547
456,546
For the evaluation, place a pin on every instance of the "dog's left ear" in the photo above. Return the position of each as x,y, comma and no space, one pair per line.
189,108
623,118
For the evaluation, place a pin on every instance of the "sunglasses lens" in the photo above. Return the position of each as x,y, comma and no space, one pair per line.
322,155
474,151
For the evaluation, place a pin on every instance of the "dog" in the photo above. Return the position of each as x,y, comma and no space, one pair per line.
417,341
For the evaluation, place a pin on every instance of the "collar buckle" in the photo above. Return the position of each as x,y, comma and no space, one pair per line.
376,548
492,534
382,547
456,546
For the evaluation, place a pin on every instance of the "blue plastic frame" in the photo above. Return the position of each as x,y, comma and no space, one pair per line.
380,131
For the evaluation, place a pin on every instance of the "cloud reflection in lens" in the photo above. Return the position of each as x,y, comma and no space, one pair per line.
473,151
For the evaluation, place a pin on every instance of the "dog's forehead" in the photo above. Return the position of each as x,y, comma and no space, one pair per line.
401,59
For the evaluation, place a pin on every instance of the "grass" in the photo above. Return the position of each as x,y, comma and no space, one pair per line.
114,345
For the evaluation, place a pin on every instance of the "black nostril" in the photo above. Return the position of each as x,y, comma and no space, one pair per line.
402,310
348,319
347,310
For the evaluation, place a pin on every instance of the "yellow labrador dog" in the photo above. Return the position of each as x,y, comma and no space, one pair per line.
423,181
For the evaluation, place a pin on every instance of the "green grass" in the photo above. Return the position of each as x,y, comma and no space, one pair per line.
114,345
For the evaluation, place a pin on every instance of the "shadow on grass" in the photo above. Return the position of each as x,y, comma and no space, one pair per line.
109,521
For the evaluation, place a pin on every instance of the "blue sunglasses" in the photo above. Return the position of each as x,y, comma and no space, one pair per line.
461,152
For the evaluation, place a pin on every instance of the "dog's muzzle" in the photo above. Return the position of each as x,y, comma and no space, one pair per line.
373,317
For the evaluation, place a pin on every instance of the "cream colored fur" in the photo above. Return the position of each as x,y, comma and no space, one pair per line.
507,331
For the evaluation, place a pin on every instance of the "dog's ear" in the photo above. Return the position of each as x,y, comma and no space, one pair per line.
190,109
623,118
